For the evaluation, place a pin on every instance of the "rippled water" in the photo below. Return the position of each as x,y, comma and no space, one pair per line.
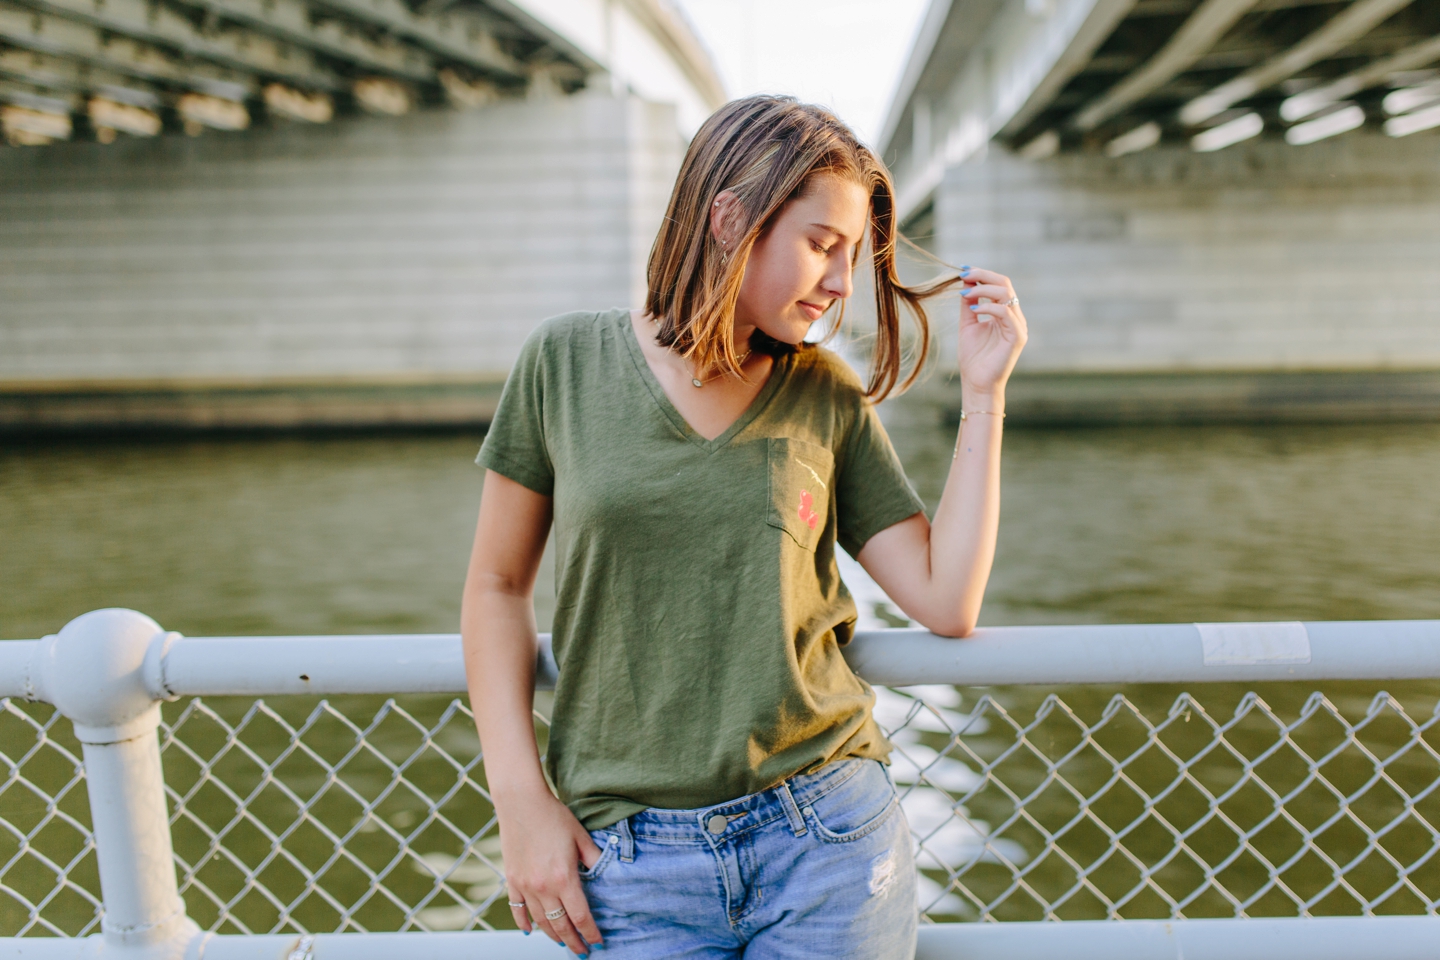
369,534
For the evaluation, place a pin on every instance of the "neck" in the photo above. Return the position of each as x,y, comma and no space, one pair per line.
740,341
743,332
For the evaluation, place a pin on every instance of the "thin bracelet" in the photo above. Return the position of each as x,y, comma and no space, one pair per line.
964,415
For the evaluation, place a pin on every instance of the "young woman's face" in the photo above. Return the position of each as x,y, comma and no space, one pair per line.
803,264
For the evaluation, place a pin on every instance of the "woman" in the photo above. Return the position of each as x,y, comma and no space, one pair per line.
721,783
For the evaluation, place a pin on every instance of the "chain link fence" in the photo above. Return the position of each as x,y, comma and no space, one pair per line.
361,813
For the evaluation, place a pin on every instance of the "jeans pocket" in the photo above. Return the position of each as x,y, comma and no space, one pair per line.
609,845
856,807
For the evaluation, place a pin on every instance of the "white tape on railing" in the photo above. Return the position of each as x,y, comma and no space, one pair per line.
1248,644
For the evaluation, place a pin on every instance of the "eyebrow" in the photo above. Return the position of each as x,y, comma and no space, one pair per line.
826,226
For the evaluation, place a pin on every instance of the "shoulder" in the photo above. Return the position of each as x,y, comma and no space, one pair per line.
559,342
571,328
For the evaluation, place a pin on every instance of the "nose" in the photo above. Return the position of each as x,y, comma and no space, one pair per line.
838,281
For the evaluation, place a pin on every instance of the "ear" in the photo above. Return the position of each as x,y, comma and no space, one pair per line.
722,210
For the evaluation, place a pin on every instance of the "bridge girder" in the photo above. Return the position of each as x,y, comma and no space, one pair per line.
82,46
1097,75
381,55
213,39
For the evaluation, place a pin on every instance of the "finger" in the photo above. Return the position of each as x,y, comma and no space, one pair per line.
969,318
589,852
577,910
981,275
521,915
565,931
996,312
990,291
537,916
544,926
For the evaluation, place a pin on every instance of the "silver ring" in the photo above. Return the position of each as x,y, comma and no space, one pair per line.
555,914
516,906
1012,302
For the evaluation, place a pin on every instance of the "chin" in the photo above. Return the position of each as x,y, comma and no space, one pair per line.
785,331
797,329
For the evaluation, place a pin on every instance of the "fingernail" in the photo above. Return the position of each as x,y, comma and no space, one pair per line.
974,306
965,271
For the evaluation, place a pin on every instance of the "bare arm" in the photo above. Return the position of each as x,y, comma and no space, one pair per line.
541,841
937,571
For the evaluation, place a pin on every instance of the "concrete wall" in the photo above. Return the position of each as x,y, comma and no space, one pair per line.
1263,256
1264,282
367,254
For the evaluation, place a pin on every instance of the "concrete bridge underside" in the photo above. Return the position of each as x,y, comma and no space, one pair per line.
320,213
1170,273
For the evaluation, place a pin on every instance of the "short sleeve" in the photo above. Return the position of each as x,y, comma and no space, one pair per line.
871,492
515,443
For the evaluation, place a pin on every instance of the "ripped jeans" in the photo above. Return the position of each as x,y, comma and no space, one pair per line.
817,866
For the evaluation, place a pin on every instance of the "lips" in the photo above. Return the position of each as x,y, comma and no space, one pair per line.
812,311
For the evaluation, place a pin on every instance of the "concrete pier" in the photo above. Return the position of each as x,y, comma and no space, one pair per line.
1263,257
369,271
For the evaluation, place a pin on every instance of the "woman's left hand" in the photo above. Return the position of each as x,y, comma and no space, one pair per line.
991,334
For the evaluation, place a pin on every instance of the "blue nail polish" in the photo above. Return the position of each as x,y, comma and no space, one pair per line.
974,306
964,271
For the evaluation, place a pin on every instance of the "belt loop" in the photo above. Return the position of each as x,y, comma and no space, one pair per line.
627,840
792,810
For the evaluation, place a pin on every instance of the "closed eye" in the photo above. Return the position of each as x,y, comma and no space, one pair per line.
819,248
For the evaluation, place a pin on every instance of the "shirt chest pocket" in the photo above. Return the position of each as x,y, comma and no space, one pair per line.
801,476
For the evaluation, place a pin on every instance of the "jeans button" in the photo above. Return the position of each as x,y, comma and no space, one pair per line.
716,824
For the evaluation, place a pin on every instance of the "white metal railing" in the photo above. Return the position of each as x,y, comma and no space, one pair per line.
1311,817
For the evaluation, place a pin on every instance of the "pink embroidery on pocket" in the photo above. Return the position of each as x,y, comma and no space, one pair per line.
806,513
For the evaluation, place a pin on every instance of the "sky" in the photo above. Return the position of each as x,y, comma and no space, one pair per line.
845,54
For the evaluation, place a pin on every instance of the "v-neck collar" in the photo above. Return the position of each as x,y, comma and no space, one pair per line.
625,328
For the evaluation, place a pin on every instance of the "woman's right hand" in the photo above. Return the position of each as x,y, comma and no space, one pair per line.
543,846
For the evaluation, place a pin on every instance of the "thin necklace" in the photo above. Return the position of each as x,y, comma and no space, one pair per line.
697,382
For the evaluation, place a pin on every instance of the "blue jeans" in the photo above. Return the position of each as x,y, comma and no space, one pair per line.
817,866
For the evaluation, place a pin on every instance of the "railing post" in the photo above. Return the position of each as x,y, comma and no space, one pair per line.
95,673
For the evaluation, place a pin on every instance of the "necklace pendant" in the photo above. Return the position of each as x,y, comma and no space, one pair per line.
696,381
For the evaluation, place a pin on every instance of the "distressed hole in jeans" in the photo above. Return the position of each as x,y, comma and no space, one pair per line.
882,874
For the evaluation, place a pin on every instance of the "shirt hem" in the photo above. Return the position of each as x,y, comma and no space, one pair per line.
854,544
514,470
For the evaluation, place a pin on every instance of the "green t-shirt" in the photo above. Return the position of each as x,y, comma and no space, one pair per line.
699,613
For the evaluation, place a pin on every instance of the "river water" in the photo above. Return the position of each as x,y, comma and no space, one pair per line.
366,534
297,535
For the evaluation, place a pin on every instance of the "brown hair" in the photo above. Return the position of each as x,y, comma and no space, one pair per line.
767,150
